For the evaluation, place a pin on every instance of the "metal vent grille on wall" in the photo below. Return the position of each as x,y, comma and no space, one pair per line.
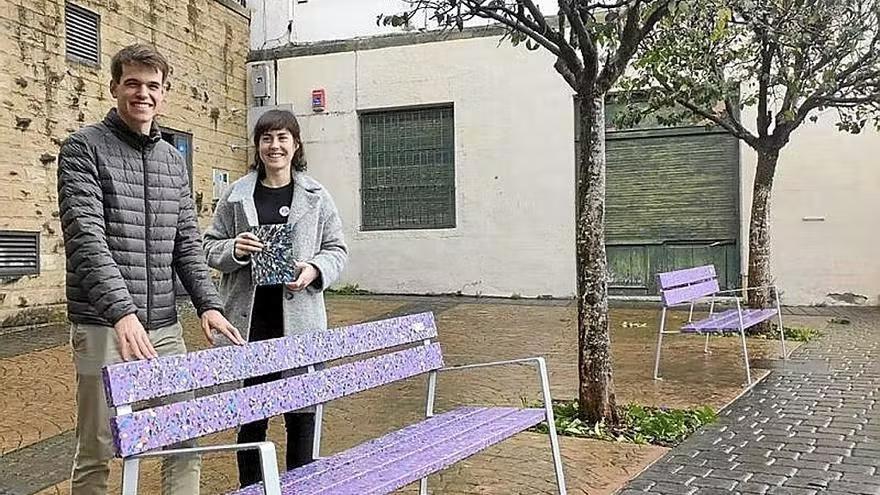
19,253
82,34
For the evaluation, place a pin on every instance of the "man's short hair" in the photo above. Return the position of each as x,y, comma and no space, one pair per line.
138,53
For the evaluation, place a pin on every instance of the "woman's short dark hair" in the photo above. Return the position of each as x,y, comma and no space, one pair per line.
278,120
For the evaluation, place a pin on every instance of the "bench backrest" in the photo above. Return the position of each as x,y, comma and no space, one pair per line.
682,286
164,425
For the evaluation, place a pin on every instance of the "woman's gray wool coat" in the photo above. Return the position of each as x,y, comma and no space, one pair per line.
317,239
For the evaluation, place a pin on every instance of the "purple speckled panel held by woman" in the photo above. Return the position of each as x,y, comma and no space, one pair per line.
130,382
275,263
166,425
404,456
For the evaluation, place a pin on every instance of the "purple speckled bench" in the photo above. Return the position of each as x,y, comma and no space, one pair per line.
399,348
683,287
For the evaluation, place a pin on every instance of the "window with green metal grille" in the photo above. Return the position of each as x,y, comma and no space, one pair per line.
408,169
82,38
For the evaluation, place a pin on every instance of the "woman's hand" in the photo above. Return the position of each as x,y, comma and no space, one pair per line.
247,244
308,273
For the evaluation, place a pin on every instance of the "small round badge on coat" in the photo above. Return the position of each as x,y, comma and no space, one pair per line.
284,211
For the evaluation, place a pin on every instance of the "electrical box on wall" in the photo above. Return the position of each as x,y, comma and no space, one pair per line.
260,81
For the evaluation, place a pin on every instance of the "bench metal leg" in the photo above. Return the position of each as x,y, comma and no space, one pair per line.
269,466
711,312
659,343
742,334
316,439
130,470
551,425
781,328
319,422
429,411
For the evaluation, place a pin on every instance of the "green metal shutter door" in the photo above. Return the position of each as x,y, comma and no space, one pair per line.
672,202
665,187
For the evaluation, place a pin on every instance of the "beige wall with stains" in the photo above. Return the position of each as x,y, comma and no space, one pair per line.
44,98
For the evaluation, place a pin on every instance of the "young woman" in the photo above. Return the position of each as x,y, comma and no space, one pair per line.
276,191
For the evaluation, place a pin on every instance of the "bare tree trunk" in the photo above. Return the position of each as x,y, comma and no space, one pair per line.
596,385
759,233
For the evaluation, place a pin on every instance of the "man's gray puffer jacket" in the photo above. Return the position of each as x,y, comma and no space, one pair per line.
129,223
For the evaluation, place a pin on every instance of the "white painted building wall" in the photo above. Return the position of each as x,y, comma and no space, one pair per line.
824,226
514,165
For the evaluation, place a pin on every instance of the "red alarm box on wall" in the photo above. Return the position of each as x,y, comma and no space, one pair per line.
319,100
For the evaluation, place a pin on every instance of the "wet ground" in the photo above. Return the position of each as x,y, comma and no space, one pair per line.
812,427
36,408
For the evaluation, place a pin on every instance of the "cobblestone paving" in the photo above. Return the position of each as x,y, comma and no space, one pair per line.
812,427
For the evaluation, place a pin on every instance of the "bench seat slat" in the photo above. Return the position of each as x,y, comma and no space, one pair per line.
441,456
729,320
366,449
688,276
135,381
718,320
394,450
161,426
395,460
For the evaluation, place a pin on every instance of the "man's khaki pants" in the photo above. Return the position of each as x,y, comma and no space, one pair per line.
94,347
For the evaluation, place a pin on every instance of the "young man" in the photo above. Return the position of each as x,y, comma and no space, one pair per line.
129,225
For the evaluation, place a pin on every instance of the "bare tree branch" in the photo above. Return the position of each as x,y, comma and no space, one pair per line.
793,86
560,20
850,102
565,71
516,24
632,35
568,65
729,103
809,104
763,85
732,126
588,49
610,6
539,17
533,24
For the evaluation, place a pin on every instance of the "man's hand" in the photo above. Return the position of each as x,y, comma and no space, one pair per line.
246,244
213,321
308,273
133,340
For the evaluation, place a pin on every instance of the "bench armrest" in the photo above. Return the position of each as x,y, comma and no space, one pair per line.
532,360
538,362
205,449
746,289
268,460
